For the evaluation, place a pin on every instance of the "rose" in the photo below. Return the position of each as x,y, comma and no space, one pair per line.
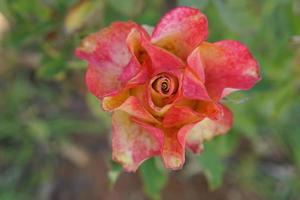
164,90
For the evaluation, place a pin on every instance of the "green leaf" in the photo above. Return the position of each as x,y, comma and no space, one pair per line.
212,166
114,173
154,178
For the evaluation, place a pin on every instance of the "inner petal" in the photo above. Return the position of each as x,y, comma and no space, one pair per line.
165,84
164,87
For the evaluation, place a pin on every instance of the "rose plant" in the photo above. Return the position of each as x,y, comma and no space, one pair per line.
164,86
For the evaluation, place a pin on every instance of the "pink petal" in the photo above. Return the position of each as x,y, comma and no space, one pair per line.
132,143
196,65
193,87
181,30
134,40
161,60
108,55
228,64
207,129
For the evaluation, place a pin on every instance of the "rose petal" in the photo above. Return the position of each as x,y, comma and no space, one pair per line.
161,60
133,41
132,143
181,30
108,54
209,109
193,87
173,153
179,116
142,92
134,108
112,102
228,64
207,129
196,65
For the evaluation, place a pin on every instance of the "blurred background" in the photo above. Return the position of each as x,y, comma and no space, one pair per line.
55,140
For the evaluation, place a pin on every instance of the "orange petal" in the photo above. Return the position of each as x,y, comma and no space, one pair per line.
207,129
178,116
112,102
228,64
181,30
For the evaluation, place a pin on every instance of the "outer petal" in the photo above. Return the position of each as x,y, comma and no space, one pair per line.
173,153
181,30
207,129
228,64
107,53
133,143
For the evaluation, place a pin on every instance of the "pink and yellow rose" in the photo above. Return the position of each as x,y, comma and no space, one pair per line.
164,88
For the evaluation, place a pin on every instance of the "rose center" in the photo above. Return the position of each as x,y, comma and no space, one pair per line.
164,87
165,84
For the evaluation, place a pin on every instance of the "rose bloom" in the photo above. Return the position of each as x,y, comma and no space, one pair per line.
164,86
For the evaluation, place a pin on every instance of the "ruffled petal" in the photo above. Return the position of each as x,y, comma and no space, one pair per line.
228,64
173,153
108,55
207,129
181,30
132,142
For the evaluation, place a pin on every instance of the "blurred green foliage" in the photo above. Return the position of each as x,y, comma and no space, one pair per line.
42,91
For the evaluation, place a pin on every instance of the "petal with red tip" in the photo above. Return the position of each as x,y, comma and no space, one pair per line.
181,30
132,143
108,55
207,129
228,64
